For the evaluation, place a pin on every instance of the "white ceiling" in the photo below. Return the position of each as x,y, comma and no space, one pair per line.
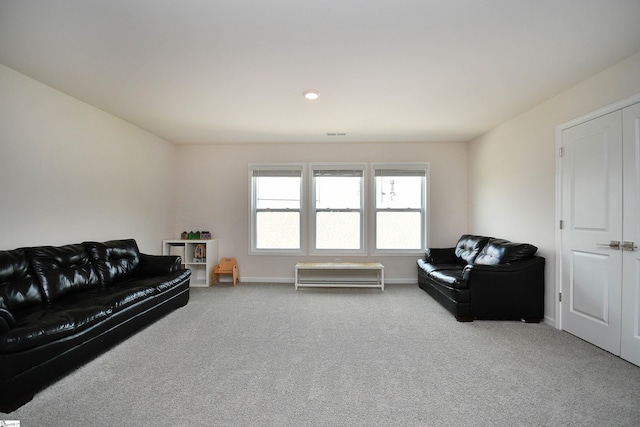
233,71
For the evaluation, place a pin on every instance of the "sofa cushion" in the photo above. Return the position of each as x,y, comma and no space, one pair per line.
160,284
468,248
18,287
119,297
62,270
429,267
501,251
441,256
38,326
114,260
7,318
4,326
452,278
7,321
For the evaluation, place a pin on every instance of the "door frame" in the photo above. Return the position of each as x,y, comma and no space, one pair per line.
559,129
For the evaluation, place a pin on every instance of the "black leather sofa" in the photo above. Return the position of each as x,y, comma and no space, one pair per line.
62,306
485,278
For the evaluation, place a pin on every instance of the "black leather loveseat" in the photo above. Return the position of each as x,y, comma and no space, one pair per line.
485,278
61,306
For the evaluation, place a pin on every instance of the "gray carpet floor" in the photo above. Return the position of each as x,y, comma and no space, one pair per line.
267,355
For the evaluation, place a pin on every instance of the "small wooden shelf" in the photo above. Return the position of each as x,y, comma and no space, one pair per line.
189,250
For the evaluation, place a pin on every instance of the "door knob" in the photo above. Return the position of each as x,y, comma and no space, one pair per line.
614,244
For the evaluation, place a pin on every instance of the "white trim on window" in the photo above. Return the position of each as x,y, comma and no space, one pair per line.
350,209
290,170
422,208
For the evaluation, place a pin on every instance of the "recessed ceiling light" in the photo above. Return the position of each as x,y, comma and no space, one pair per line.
311,94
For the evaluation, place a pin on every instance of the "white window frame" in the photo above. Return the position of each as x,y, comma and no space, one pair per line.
424,237
271,167
363,208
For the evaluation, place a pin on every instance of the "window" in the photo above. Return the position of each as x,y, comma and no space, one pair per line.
276,208
337,219
336,209
400,207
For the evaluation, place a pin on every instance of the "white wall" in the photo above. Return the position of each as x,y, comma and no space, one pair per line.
512,169
213,193
70,172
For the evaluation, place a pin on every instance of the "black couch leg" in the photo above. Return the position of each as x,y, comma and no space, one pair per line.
531,320
464,319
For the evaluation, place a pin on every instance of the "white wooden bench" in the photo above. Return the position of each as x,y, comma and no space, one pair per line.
310,274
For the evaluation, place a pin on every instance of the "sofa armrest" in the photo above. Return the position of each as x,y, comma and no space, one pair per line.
156,265
509,290
441,256
505,268
7,321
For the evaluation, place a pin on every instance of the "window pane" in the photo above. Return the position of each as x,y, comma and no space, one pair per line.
398,230
278,230
399,192
338,192
278,192
338,230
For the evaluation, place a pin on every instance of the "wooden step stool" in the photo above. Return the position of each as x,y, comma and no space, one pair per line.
226,266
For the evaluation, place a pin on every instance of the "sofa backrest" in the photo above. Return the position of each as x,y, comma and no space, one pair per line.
62,269
500,251
40,275
114,259
18,287
468,248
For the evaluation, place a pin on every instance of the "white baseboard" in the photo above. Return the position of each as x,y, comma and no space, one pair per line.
550,321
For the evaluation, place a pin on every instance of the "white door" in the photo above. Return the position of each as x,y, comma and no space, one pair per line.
592,223
630,345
